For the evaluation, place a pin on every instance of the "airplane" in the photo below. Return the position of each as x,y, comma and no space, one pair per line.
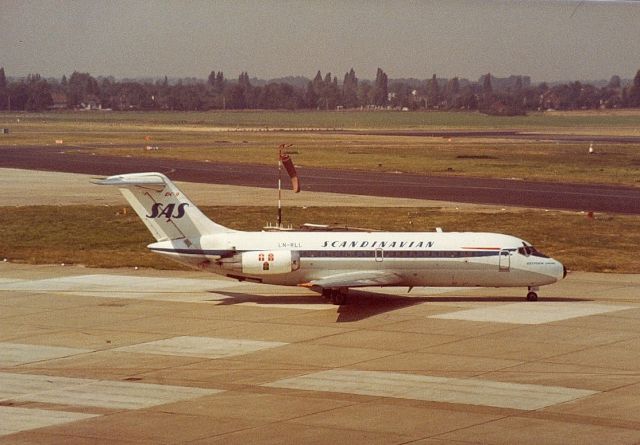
331,262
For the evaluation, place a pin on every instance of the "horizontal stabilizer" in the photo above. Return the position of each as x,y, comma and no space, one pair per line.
132,180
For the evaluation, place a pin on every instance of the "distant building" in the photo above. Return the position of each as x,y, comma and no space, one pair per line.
91,102
59,101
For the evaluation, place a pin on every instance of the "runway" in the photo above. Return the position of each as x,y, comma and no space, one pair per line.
123,356
578,197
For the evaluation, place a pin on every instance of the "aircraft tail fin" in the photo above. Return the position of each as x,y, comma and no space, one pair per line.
164,209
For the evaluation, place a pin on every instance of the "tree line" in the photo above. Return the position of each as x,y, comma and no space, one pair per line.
492,95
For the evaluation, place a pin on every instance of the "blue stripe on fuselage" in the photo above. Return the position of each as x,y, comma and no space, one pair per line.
405,254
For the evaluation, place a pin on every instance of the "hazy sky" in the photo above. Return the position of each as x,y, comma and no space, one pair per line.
548,40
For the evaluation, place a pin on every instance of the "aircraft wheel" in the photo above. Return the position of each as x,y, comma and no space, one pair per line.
532,296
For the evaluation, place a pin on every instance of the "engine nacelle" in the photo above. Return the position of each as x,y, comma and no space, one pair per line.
263,262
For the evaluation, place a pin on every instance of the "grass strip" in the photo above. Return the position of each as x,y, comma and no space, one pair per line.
107,236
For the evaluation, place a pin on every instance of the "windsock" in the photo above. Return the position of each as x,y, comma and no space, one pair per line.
291,170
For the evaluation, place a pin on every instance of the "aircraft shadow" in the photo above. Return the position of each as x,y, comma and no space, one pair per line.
504,299
239,297
363,304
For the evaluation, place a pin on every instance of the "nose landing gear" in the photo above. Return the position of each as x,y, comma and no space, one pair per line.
533,294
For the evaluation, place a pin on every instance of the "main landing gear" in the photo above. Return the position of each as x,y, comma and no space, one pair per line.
336,296
533,294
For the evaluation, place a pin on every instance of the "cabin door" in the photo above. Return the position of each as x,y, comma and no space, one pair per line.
504,261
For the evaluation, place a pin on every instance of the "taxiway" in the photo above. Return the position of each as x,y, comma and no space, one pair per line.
123,356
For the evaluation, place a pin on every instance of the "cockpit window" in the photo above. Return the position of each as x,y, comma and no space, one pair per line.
531,251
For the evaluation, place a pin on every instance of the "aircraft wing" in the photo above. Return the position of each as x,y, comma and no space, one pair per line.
355,279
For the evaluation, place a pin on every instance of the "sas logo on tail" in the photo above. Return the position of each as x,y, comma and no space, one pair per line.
159,210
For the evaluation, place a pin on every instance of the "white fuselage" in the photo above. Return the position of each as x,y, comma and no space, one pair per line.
418,258
330,262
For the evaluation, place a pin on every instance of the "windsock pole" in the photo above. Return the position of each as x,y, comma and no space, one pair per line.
280,188
285,160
